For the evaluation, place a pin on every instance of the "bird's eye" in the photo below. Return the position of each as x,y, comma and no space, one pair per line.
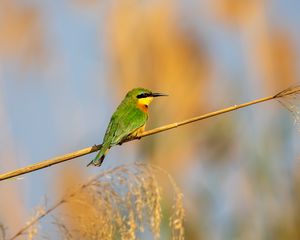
143,95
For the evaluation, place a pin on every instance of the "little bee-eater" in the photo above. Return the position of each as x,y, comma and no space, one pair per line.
127,121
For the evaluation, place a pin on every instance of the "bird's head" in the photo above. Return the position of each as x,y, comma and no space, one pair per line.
143,97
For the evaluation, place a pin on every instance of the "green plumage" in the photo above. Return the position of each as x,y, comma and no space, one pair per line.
127,119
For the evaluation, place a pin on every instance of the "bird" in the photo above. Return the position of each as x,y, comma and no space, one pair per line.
128,121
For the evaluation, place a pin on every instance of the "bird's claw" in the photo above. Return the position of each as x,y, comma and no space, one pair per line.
96,147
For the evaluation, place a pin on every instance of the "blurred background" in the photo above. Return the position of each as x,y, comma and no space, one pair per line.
66,65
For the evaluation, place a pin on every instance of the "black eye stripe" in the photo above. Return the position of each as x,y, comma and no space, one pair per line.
143,95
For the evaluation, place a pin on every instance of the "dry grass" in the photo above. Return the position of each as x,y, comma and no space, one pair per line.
34,228
291,102
124,204
121,203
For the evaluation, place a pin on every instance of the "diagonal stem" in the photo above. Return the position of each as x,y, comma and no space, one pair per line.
85,151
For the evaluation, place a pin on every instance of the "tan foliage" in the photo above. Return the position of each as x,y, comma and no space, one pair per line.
121,202
20,32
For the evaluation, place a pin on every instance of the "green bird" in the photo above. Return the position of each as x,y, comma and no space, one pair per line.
128,120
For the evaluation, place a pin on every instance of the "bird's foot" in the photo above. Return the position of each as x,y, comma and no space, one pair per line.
95,146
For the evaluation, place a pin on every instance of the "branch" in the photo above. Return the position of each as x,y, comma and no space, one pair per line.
85,151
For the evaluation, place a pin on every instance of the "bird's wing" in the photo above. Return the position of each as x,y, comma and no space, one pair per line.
127,123
125,120
110,130
113,123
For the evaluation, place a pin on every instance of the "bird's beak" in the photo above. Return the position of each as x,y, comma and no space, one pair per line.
158,94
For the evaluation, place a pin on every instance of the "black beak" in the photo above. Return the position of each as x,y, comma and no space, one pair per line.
158,95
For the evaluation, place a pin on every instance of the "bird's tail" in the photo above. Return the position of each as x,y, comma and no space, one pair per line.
97,161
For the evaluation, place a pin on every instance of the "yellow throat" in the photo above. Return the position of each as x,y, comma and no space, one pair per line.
143,103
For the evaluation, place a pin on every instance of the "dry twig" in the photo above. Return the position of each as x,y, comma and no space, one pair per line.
43,164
